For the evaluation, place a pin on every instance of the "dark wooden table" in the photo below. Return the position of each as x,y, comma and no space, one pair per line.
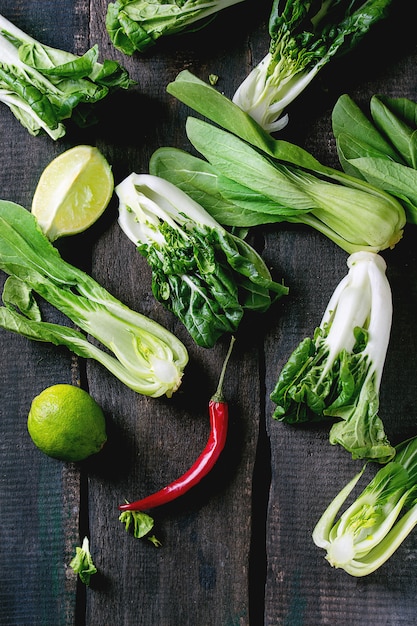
237,550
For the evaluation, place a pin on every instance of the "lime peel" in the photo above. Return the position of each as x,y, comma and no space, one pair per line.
66,423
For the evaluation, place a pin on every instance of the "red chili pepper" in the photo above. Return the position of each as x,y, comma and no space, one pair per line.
219,418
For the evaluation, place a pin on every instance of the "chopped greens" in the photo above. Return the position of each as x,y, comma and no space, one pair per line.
82,563
140,525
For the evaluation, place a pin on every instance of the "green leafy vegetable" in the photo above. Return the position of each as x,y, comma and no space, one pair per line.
250,178
140,352
45,86
338,372
205,275
82,563
206,100
371,529
135,25
381,148
305,36
140,525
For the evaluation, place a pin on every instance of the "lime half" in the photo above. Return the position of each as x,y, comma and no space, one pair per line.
72,192
66,423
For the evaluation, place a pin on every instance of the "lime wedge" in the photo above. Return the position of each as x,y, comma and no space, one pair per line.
72,192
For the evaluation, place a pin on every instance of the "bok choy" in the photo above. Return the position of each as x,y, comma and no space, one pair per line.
337,373
135,25
249,178
140,352
381,147
45,86
374,526
203,274
305,36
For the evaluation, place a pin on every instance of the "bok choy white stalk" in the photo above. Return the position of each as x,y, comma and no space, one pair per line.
45,86
305,36
373,527
140,352
135,25
338,372
203,274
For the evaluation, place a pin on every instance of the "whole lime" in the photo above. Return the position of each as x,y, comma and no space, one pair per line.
66,423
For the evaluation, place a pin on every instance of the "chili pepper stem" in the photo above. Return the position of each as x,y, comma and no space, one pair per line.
218,395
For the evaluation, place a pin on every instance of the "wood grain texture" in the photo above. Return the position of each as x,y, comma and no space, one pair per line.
39,497
236,550
302,589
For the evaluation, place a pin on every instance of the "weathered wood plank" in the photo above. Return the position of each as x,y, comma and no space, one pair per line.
238,548
307,472
200,575
39,510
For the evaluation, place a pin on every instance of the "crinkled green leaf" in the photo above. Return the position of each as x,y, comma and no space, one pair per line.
44,86
206,276
135,25
295,403
140,525
360,430
17,294
337,373
194,284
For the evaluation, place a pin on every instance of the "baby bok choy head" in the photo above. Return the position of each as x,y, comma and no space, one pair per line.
44,86
337,373
140,352
203,274
371,529
305,36
135,25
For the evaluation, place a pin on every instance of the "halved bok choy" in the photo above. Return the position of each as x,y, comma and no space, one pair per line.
203,274
140,352
374,526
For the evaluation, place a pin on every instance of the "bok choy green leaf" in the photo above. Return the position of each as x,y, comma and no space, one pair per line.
140,352
305,36
82,563
249,178
374,526
337,373
135,25
203,274
45,86
381,147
